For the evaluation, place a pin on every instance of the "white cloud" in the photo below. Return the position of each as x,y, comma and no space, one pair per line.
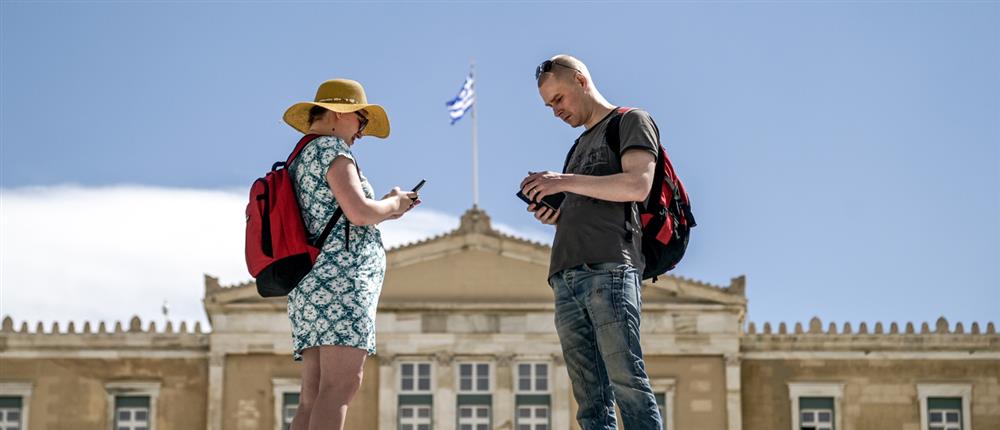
71,253
423,223
540,235
417,225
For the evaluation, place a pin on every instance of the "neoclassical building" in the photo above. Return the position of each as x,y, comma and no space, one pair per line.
467,342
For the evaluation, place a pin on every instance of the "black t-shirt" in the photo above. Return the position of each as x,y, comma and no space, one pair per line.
591,231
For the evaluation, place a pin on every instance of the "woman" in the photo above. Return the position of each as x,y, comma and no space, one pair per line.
332,310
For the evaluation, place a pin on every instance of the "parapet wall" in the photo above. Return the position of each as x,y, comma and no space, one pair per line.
105,336
942,337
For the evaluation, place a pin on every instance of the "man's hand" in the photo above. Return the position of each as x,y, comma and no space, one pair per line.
540,184
544,214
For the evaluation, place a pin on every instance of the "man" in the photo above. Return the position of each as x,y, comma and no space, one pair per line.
597,263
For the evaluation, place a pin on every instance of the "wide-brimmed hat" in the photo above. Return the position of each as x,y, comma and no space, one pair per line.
344,96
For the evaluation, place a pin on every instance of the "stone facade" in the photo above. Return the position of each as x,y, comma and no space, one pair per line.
478,297
880,372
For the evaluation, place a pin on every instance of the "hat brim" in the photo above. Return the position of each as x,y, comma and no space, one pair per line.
297,116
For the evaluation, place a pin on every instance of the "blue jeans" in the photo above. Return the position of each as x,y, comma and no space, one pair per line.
597,317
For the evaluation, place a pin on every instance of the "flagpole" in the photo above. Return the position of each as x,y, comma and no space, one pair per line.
475,147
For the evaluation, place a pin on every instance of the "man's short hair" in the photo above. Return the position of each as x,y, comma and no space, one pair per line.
564,67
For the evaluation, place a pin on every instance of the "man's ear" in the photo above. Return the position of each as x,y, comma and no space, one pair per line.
581,80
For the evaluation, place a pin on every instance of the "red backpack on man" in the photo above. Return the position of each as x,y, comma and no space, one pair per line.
666,214
278,250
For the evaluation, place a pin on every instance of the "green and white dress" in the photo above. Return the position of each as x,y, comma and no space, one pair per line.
335,303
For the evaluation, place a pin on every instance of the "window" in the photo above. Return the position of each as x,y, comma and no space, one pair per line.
533,417
286,401
415,417
815,405
533,403
289,407
663,391
474,378
416,401
132,413
475,381
661,405
944,413
132,405
532,378
15,398
474,417
945,406
10,413
816,413
415,377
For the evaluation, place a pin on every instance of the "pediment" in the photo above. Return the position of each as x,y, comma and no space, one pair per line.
476,266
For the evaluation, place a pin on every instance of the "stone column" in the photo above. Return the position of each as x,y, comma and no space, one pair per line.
562,392
445,411
734,400
216,365
387,396
503,394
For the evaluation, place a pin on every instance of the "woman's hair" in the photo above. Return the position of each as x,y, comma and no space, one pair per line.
315,113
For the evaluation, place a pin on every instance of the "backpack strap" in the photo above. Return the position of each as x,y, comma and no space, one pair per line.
569,155
300,146
329,227
333,221
612,137
321,240
614,141
612,133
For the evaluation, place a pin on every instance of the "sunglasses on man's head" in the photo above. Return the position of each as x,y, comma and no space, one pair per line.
362,121
546,66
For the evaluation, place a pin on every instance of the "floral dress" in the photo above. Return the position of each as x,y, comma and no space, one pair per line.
335,303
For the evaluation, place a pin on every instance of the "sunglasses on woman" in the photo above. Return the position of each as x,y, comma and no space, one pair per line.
362,121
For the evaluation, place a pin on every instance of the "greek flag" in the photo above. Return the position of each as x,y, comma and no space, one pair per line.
463,101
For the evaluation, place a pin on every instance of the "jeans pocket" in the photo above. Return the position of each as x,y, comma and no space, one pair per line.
601,267
638,299
633,287
605,298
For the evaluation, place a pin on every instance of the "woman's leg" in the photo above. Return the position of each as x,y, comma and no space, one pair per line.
341,369
310,387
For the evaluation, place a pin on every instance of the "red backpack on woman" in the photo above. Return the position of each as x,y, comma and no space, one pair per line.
278,250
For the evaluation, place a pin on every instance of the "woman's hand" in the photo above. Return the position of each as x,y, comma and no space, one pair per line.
402,201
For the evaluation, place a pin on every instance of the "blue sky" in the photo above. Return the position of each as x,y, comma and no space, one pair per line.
845,156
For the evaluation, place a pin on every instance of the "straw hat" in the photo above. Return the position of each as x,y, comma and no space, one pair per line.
344,96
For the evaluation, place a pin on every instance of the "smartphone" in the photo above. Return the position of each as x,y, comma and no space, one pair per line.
552,201
419,185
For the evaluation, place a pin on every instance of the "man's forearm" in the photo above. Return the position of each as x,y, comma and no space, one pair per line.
620,187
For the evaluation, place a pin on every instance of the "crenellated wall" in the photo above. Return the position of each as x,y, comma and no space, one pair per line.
74,372
878,371
941,340
816,327
134,326
131,340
